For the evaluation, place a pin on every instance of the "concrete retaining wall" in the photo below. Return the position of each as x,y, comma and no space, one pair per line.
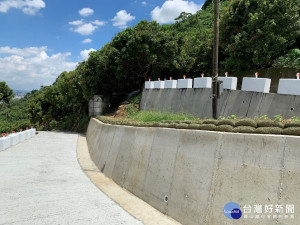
233,102
191,175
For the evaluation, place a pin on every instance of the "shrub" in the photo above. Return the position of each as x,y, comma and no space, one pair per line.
265,117
269,130
246,122
278,118
53,124
244,129
232,117
291,59
295,118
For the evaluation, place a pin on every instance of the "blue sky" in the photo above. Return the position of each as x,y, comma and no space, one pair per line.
42,38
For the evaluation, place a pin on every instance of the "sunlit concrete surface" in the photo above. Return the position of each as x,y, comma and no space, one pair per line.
41,182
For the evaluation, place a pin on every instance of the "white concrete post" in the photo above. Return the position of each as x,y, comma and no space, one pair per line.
256,84
171,83
185,83
202,82
159,84
33,131
22,135
289,86
4,142
229,82
28,133
14,138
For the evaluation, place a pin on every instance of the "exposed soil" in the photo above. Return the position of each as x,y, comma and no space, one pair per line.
121,112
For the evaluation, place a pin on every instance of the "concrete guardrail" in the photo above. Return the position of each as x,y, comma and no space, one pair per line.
191,175
16,138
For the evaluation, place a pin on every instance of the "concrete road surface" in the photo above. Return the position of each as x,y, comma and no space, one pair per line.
41,182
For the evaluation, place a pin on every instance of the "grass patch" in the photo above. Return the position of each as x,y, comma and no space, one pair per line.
151,116
184,121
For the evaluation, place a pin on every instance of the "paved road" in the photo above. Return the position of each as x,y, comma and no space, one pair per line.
41,182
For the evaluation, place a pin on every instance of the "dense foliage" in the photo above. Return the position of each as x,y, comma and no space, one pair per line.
254,34
6,94
14,116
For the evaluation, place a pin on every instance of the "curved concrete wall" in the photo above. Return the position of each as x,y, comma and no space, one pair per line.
199,171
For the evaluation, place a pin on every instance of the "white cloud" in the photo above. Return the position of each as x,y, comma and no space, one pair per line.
122,18
85,28
87,40
144,3
86,12
76,22
172,9
99,23
85,53
28,68
29,7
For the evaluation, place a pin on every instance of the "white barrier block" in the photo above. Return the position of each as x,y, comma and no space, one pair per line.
256,84
229,82
185,83
4,143
32,130
149,84
289,87
171,84
22,136
159,84
202,82
28,134
14,139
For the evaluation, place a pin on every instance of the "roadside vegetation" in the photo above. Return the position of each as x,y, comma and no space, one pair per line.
254,34
259,125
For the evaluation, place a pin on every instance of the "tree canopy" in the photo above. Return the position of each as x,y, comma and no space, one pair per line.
254,33
6,94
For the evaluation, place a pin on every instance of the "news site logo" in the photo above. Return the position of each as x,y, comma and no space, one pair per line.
232,211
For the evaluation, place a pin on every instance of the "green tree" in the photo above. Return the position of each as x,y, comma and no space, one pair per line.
6,94
254,33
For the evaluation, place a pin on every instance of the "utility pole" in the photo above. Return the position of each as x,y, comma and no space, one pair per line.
215,85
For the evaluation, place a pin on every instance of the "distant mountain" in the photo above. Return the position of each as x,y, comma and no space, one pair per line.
20,93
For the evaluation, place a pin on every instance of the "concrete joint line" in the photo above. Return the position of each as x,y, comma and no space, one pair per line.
129,202
217,162
282,171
